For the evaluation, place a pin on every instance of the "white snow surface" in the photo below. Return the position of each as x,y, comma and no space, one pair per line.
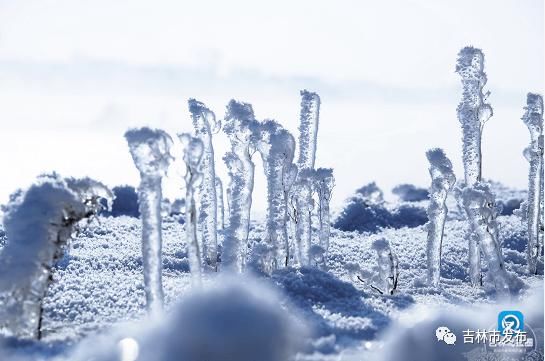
98,287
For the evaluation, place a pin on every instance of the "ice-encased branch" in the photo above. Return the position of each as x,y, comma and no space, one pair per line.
241,128
277,147
39,223
304,205
150,150
443,180
204,123
533,118
479,204
193,150
473,113
388,266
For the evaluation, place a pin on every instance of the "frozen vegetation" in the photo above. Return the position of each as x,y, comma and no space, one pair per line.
150,150
191,280
533,118
204,123
442,180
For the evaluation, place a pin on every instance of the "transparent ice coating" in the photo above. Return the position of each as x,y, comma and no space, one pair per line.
242,129
220,203
479,204
308,129
533,118
442,181
323,184
303,228
193,150
276,146
388,266
39,223
204,123
150,150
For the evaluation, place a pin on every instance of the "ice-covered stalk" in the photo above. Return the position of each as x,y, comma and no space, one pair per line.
204,123
289,176
39,223
442,181
193,152
324,183
221,206
388,266
473,113
150,150
276,146
533,118
240,127
479,204
308,129
303,228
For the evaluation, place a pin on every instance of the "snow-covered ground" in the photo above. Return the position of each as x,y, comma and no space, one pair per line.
99,285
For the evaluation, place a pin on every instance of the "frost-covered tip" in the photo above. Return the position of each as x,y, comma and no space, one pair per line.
308,129
39,223
204,123
388,266
479,204
241,128
276,146
443,180
533,118
150,150
193,150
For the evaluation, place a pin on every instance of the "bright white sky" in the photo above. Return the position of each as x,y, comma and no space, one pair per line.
75,74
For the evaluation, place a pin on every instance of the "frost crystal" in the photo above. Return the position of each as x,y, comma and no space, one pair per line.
240,126
39,224
388,266
221,206
204,122
276,146
443,180
150,152
479,204
473,113
193,153
533,118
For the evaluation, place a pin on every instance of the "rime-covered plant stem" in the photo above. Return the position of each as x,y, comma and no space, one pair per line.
204,123
479,204
193,152
442,181
240,127
308,137
150,150
388,266
473,113
220,202
308,129
39,223
533,118
276,146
